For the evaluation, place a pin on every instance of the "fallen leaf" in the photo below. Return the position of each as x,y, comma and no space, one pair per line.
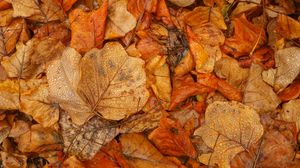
117,87
244,7
140,153
245,37
257,93
120,21
228,91
291,92
290,112
229,129
66,4
42,11
288,67
86,26
10,160
54,30
6,17
163,13
18,128
269,76
185,65
39,139
171,139
84,141
4,4
4,131
73,162
9,97
287,27
182,3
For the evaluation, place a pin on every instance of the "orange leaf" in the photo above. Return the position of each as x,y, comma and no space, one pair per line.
54,30
245,37
88,28
171,139
291,92
163,14
4,5
184,87
229,91
287,27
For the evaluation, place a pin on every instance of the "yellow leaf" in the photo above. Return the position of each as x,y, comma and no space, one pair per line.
229,129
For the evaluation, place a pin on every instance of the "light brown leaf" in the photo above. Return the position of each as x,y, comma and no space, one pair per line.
257,93
18,128
88,28
72,162
6,17
290,112
42,11
84,141
11,160
140,153
182,3
287,27
185,65
120,21
288,67
229,128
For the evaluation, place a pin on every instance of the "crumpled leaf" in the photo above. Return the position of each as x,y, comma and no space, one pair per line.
288,67
171,139
18,128
36,104
229,128
290,112
182,3
245,37
287,27
39,139
229,69
203,14
120,21
88,28
84,141
11,160
117,87
291,92
11,34
26,61
42,11
257,93
140,153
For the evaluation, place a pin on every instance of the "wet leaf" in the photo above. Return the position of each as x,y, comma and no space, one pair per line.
259,94
229,128
88,28
171,139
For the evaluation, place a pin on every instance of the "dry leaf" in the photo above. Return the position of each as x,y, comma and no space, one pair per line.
73,162
42,11
84,141
288,67
11,160
4,4
6,17
229,128
290,112
54,30
171,139
140,153
287,27
229,69
201,15
88,28
185,65
39,139
291,92
120,21
182,3
112,83
257,93
18,128
4,131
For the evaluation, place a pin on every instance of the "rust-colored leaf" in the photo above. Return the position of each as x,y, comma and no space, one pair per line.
291,92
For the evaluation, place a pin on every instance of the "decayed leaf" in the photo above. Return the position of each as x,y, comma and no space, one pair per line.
112,83
140,153
290,112
229,128
43,11
11,34
25,63
257,93
36,104
39,139
84,141
287,27
120,21
88,28
229,69
182,3
202,14
288,67
11,160
245,37
291,92
63,77
171,139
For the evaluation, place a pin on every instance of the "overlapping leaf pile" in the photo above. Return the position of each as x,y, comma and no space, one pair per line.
149,83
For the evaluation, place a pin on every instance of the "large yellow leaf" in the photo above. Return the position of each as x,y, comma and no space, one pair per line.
112,83
229,128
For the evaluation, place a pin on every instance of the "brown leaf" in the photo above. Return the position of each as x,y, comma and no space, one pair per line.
54,30
11,160
229,128
66,4
185,65
287,27
290,112
257,93
182,3
18,128
291,92
88,28
4,4
6,17
42,11
140,153
288,67
163,14
73,162
84,141
171,139
245,37
120,21
229,91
